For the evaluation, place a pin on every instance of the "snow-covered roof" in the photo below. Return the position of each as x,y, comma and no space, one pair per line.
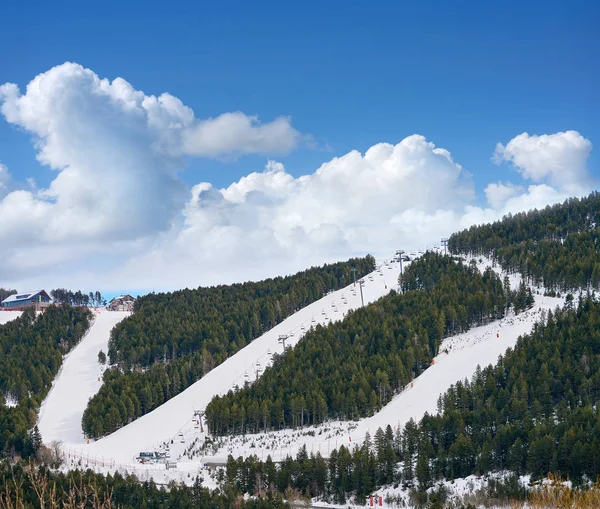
123,297
22,296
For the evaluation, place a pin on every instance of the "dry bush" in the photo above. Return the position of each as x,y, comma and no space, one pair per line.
81,493
556,494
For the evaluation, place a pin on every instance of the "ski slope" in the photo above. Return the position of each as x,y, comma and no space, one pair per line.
77,381
177,415
7,316
174,428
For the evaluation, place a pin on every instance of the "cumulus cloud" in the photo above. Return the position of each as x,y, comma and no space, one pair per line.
559,159
498,194
117,153
233,133
117,215
271,221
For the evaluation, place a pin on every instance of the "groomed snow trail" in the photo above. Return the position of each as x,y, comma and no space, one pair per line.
176,415
7,316
76,382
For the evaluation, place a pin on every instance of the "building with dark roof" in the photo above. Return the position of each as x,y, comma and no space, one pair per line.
121,303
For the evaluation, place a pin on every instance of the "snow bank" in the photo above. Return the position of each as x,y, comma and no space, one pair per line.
7,316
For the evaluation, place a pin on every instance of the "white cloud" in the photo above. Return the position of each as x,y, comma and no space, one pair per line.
498,194
117,152
559,159
271,222
117,215
232,133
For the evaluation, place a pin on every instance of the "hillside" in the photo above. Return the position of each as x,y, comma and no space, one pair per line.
415,388
352,369
176,416
174,339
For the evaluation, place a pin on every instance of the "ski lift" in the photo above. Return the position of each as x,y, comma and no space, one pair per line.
269,352
246,375
257,364
323,312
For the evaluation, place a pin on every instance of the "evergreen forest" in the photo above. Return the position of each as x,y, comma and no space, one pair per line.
556,247
535,411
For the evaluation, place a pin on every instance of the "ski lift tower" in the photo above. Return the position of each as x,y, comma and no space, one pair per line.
198,414
445,244
282,338
399,254
361,283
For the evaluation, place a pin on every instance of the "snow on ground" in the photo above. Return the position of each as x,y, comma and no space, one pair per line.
7,316
176,416
77,381
460,491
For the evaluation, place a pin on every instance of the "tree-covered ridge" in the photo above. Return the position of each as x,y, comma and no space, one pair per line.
536,411
31,351
221,319
352,368
194,331
554,222
559,266
557,247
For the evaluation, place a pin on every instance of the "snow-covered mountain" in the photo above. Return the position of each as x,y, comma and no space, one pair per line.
174,426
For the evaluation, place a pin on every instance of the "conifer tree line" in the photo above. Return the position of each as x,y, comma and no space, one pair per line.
64,296
31,352
556,247
173,339
78,298
351,369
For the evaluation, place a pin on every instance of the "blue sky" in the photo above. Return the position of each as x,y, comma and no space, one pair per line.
466,75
